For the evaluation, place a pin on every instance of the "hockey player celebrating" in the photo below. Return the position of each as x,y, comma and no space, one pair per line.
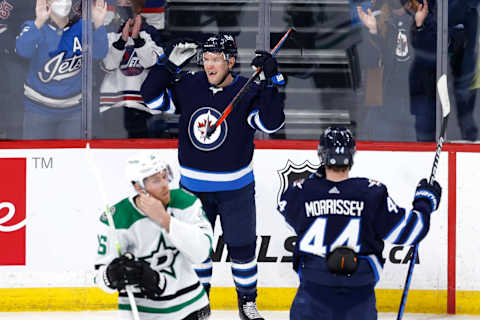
342,224
218,167
161,233
53,43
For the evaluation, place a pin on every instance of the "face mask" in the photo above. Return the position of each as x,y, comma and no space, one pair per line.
125,13
61,7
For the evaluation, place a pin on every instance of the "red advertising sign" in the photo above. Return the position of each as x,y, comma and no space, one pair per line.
13,189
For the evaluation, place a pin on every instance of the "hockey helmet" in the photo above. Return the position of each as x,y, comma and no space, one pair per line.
145,164
221,43
336,147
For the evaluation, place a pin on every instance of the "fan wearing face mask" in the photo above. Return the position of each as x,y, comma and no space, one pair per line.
53,44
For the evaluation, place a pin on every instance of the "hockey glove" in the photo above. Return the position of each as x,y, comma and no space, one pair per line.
269,68
125,270
180,55
427,194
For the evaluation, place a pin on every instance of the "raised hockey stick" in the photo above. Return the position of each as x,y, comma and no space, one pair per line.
238,96
442,88
111,225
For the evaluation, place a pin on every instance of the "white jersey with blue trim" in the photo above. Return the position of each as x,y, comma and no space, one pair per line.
356,212
54,77
127,69
222,161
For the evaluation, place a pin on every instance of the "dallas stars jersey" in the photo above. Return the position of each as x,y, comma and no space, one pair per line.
222,161
54,78
170,254
357,213
126,70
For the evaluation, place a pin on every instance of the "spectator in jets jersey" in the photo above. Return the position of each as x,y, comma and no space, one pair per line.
342,223
160,232
53,44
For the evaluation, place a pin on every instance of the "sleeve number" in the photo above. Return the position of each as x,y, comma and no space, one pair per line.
313,241
102,244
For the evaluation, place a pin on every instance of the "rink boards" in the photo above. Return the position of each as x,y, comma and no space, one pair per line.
58,214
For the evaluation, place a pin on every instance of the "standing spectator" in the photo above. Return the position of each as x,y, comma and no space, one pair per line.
132,51
218,168
160,232
53,43
342,223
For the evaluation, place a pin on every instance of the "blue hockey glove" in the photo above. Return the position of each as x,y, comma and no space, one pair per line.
269,67
428,193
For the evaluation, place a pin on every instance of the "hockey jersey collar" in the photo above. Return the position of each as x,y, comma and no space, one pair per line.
215,89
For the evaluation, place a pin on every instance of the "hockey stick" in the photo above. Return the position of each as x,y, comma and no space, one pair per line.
111,225
238,96
442,88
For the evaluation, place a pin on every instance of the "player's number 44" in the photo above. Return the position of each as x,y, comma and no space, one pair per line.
313,240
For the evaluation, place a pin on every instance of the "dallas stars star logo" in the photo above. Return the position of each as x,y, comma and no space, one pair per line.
162,259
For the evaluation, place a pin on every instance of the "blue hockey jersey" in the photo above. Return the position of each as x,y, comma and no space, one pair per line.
358,213
54,78
222,161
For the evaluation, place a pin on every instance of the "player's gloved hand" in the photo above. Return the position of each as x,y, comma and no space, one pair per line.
269,67
429,194
125,270
180,55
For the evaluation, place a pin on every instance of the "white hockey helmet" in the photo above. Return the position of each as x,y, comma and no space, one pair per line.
145,164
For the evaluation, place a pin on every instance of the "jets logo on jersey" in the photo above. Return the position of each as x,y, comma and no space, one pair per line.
199,123
292,173
59,69
130,65
5,9
162,259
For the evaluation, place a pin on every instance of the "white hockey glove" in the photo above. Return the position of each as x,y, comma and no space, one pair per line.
180,55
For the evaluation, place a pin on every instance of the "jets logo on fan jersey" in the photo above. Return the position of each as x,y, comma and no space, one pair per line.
199,123
5,9
130,65
59,68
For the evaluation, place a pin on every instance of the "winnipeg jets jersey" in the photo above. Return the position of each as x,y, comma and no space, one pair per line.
54,77
171,254
358,213
222,161
126,70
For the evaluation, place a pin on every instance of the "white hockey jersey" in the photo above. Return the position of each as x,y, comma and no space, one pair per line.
171,254
126,70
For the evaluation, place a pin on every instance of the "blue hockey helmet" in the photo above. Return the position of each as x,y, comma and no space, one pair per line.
336,147
221,43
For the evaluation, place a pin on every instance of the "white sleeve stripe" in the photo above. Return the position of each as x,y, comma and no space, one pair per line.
261,126
156,103
395,233
416,230
250,117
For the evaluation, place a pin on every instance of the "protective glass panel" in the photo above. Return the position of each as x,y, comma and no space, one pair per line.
463,70
121,111
360,64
